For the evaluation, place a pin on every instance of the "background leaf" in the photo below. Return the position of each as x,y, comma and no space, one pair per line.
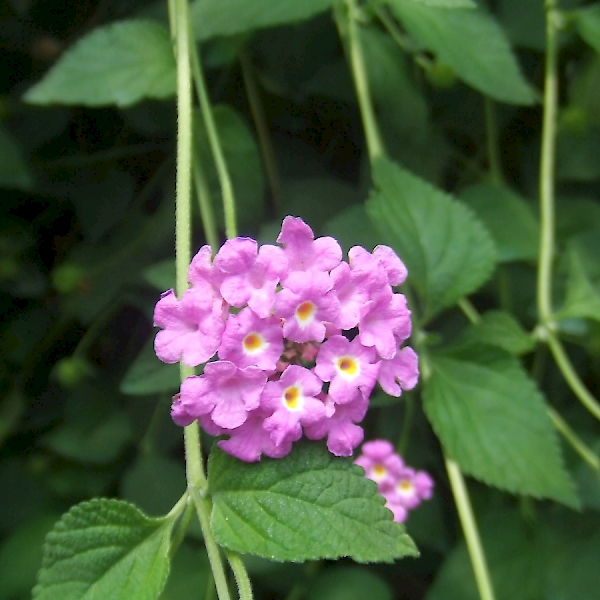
305,506
117,64
105,549
447,251
587,21
492,420
227,17
472,43
14,171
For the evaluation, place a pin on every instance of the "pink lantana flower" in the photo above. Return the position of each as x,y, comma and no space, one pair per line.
351,293
381,463
303,252
249,340
191,327
224,392
399,373
250,440
250,276
339,425
306,303
293,400
348,366
384,323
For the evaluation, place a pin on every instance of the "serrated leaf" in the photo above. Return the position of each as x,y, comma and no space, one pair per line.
243,160
502,330
306,506
472,43
587,21
492,420
213,18
105,549
447,251
508,218
117,64
148,375
582,297
14,171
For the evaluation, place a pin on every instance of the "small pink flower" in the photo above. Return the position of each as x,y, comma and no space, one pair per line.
293,400
349,366
224,392
303,252
399,373
192,326
381,463
306,303
249,340
352,295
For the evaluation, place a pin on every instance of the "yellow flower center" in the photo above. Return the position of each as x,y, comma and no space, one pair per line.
253,342
378,470
405,486
305,311
347,365
291,397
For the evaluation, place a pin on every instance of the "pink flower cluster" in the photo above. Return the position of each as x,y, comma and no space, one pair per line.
402,487
275,318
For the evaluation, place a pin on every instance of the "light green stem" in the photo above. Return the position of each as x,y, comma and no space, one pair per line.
570,374
196,478
359,72
469,527
241,576
584,451
215,145
547,165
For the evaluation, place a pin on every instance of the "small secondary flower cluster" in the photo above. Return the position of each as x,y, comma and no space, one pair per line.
402,487
287,362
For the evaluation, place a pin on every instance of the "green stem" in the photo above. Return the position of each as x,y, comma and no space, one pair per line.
492,142
469,311
241,576
570,374
547,165
359,72
469,527
196,479
262,129
215,145
584,451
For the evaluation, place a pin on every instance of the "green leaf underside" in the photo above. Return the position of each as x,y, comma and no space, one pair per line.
508,218
213,18
492,420
472,43
120,64
502,330
306,506
105,549
447,251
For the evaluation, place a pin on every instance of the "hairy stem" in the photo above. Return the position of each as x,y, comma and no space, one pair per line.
241,575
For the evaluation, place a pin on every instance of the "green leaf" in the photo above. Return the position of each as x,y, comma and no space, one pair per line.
524,22
583,285
576,156
161,275
447,251
14,171
508,218
492,420
117,64
190,572
472,43
227,17
306,506
352,227
105,549
587,21
243,160
502,330
148,375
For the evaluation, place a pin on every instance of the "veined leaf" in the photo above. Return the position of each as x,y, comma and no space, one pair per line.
306,506
472,43
492,420
447,251
117,64
105,549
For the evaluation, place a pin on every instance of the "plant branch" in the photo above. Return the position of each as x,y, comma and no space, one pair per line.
469,527
241,575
